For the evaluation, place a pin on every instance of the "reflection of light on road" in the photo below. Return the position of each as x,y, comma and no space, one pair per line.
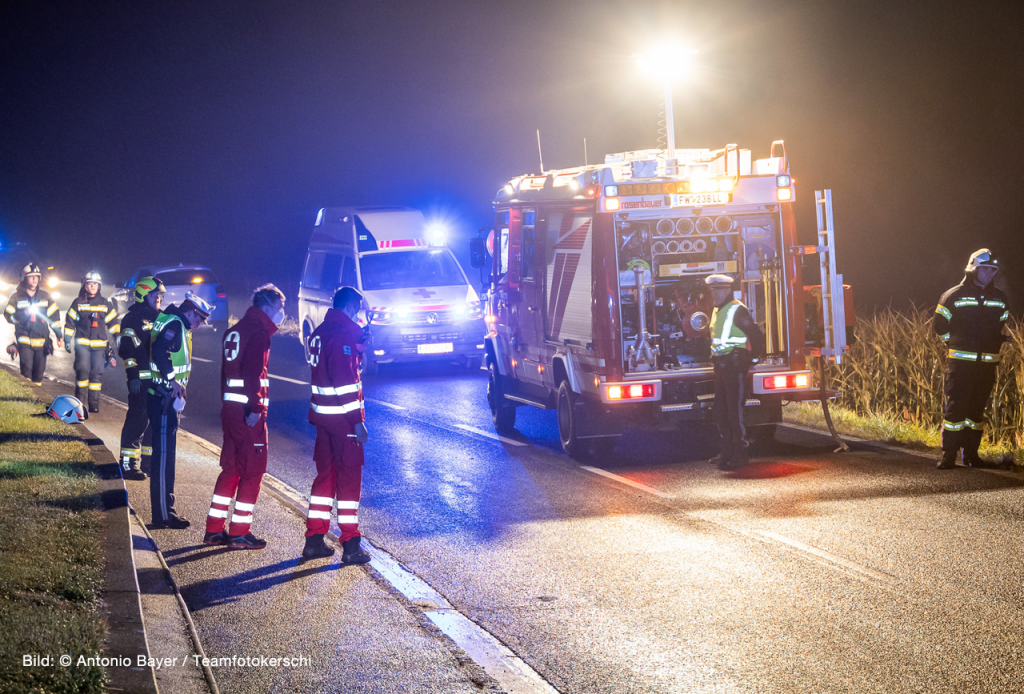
408,445
461,495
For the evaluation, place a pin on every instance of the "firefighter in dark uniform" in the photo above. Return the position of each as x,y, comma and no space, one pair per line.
89,324
171,364
33,313
970,318
133,348
736,344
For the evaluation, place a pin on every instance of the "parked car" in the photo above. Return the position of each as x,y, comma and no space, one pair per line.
178,280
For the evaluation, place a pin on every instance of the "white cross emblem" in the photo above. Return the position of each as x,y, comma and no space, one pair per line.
231,343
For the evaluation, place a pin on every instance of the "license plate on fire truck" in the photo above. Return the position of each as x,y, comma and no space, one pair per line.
692,199
435,348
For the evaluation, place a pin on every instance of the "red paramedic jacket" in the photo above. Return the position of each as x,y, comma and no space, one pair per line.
334,355
243,372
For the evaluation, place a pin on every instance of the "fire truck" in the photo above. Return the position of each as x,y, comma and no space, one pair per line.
597,306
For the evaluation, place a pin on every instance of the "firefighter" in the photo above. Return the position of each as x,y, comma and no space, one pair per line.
970,319
736,344
133,348
89,324
170,361
243,415
33,313
336,409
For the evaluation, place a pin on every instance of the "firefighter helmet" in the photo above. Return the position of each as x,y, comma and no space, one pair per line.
92,277
981,258
147,285
197,304
714,281
30,270
67,409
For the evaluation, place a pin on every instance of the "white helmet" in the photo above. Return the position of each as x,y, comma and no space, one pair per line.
981,258
67,409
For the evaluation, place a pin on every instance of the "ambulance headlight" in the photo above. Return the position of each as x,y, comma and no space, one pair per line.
402,313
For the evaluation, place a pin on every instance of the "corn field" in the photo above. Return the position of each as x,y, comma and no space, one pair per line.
895,370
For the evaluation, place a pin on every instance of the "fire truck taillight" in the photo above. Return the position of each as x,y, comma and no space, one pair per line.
786,382
611,204
784,194
491,318
630,392
592,191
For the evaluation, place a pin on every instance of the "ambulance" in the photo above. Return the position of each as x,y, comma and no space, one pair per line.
597,306
418,300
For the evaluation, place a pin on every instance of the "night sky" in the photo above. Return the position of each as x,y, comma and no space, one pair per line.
212,132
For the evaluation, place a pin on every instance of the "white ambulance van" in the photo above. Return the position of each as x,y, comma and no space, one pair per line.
418,297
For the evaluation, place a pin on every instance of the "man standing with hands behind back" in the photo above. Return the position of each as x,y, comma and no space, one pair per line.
245,397
336,409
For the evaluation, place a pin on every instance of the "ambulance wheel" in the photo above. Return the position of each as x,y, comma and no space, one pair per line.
370,367
504,415
569,423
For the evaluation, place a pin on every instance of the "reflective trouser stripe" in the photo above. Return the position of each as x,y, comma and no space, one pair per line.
960,354
965,424
147,450
82,384
348,504
339,390
217,513
243,507
343,520
235,383
235,397
246,520
989,358
95,386
131,452
322,515
223,500
24,340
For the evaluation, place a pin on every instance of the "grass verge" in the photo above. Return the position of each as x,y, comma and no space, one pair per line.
875,427
51,563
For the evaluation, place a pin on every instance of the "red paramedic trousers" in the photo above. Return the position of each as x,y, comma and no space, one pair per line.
339,478
243,460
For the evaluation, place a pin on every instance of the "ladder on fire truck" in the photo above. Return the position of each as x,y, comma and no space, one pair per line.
833,307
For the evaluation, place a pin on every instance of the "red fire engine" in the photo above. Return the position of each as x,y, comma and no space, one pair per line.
597,306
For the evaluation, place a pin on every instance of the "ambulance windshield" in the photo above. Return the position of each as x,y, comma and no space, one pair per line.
405,269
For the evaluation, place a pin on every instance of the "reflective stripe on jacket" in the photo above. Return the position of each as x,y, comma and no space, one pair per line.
336,400
33,316
970,320
91,321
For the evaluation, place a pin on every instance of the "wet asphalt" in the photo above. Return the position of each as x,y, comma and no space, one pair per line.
806,571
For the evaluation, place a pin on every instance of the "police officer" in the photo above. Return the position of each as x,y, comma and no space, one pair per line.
336,409
736,343
243,415
133,348
171,365
970,319
33,313
88,325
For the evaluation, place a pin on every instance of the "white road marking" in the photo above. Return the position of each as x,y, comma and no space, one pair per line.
397,408
631,483
489,434
511,672
865,571
289,380
208,361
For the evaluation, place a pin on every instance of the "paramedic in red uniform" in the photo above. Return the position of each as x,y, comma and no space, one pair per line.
243,416
336,409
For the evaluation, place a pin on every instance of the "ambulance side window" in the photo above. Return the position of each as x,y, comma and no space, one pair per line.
348,272
332,272
314,267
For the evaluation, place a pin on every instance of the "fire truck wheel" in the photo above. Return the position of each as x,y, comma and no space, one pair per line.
762,435
503,415
569,423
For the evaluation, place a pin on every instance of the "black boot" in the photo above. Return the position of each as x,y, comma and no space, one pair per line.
352,553
130,470
947,461
316,548
722,460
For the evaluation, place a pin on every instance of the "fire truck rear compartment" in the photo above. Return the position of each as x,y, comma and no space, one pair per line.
671,257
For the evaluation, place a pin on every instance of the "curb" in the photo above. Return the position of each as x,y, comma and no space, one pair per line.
120,594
